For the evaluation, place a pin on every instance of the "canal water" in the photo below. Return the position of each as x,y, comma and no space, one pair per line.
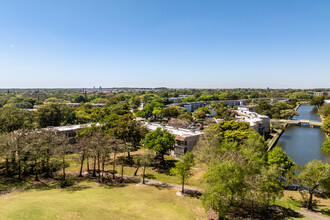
307,112
302,143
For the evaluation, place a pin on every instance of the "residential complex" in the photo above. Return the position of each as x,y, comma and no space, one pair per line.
260,123
186,139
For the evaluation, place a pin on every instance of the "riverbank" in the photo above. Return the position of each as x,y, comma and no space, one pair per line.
301,143
272,143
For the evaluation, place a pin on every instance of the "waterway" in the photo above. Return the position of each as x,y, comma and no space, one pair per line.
307,112
303,143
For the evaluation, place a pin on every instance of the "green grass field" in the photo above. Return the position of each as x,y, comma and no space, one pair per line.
89,200
195,180
93,201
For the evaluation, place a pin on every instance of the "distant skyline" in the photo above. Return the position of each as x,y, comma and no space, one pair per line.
165,43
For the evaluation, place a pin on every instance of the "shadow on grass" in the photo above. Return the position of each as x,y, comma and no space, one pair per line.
274,212
43,186
165,166
150,176
326,212
161,186
76,188
192,193
7,183
113,185
278,212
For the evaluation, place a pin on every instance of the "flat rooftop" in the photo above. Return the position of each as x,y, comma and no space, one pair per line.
72,127
180,132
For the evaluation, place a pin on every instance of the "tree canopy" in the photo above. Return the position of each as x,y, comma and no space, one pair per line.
160,140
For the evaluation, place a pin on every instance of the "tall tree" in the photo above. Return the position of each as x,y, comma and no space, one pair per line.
144,159
49,144
130,131
183,168
326,125
224,186
279,158
317,101
310,177
160,140
6,148
220,137
12,118
55,114
33,148
19,139
63,148
326,146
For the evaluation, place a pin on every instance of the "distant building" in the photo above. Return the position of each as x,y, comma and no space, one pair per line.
233,103
279,100
178,99
70,130
185,96
186,139
251,108
320,93
260,123
175,100
193,106
327,101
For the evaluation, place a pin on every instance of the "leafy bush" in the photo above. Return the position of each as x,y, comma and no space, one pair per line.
70,181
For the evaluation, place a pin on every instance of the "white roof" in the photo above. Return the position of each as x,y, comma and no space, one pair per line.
252,121
72,127
175,131
252,117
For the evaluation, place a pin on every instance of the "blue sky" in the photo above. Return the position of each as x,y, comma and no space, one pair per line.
172,43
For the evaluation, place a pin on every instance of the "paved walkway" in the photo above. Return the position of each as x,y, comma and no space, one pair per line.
313,216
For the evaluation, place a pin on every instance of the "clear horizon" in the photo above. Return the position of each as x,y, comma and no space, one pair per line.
173,44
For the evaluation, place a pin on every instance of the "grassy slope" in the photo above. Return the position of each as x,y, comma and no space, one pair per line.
195,180
291,200
92,201
123,198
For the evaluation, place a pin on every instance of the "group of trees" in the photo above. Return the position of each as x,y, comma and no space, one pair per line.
58,114
311,179
53,110
241,174
12,118
238,173
201,113
155,111
284,110
29,152
317,101
326,128
324,111
27,149
222,111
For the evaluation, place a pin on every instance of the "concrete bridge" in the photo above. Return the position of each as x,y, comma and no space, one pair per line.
299,122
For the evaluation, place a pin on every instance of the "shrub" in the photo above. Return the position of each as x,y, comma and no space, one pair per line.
70,181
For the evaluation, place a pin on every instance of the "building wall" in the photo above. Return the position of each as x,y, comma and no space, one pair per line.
188,144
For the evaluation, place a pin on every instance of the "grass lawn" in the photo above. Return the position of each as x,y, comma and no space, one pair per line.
291,200
89,200
195,180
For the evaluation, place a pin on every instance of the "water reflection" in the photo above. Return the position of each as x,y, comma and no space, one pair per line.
302,143
307,112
